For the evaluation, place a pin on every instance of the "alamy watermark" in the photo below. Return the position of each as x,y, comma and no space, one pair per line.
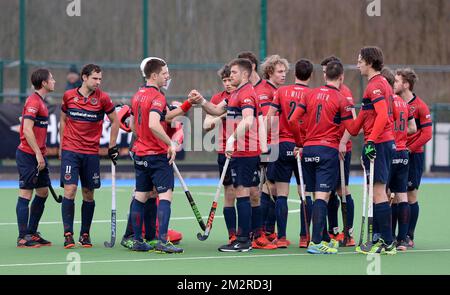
73,8
373,8
374,265
74,265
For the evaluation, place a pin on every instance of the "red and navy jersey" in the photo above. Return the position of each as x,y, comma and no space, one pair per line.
377,89
347,93
217,99
265,92
402,114
148,99
84,120
286,100
36,110
242,98
326,108
422,116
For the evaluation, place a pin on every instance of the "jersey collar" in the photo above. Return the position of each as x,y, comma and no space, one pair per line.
301,84
412,99
244,85
332,87
271,84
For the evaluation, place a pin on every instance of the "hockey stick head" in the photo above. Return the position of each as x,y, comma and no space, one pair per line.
110,244
202,237
59,198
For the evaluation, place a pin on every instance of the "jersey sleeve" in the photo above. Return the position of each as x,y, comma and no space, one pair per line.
424,116
158,105
64,103
215,99
345,108
31,108
107,103
276,100
248,102
375,92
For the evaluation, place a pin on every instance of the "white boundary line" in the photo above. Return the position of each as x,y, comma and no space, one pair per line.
178,258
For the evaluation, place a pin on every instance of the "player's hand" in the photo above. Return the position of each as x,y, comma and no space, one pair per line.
113,153
342,151
370,150
298,152
171,153
41,162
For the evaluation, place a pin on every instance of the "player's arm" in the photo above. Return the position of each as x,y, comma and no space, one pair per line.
211,121
412,127
28,125
114,128
425,129
353,127
381,118
294,123
183,109
158,130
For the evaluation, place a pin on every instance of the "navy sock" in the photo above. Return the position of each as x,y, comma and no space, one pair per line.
22,212
404,214
413,219
244,210
87,214
36,210
256,221
350,211
271,219
376,230
319,217
265,203
308,209
384,221
394,208
229,214
137,216
68,211
281,209
129,229
163,219
333,207
150,210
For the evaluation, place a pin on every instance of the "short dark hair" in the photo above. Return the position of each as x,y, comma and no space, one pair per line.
153,66
243,63
374,56
89,69
389,75
329,59
409,76
39,76
303,69
224,72
251,57
334,70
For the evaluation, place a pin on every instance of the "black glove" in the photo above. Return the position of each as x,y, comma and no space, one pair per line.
370,150
113,154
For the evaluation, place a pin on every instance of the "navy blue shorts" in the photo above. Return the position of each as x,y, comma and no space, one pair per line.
245,171
153,172
382,164
84,166
29,178
321,165
398,176
281,170
416,166
347,160
221,158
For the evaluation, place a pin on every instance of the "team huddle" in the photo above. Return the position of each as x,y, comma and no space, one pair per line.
267,132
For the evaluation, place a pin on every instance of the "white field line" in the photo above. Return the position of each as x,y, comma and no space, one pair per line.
180,258
124,220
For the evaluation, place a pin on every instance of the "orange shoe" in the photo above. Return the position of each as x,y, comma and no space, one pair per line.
174,236
263,243
304,242
347,242
271,236
282,243
338,237
232,238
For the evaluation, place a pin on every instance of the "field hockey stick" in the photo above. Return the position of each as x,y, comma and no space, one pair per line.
212,212
363,220
344,200
113,208
267,185
370,207
197,214
58,198
302,193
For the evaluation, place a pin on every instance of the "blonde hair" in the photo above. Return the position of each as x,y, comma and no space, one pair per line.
269,64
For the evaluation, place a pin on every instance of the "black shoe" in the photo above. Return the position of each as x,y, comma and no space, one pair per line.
69,242
237,246
85,241
27,242
37,238
140,246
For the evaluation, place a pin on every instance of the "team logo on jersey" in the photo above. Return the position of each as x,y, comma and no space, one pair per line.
247,100
75,99
377,92
67,176
428,116
348,108
263,97
32,110
94,101
157,103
